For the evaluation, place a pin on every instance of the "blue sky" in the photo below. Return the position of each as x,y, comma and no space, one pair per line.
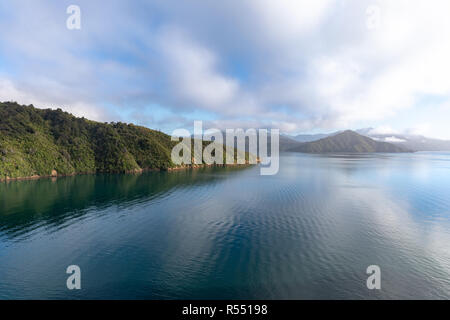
297,65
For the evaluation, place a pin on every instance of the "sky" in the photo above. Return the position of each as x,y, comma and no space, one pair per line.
301,66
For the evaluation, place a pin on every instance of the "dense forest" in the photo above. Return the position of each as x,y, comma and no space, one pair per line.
46,142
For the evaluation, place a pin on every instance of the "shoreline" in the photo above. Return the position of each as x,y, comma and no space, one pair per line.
137,171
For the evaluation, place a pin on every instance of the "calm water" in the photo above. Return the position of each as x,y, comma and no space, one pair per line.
307,233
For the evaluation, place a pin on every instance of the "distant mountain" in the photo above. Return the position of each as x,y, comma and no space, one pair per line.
365,131
286,143
347,141
408,141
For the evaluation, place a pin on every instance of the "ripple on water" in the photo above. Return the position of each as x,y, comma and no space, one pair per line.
308,232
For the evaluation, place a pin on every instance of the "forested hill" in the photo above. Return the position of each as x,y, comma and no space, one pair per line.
38,142
347,141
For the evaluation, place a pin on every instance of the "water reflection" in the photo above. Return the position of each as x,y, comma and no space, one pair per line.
26,205
307,233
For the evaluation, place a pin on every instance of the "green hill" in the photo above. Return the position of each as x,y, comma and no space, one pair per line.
38,142
347,141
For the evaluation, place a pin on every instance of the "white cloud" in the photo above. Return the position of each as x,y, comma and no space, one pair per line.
289,63
10,92
286,21
394,139
382,131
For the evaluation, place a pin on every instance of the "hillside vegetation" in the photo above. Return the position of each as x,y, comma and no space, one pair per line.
38,142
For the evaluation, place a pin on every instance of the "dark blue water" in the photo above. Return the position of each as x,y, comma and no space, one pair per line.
307,233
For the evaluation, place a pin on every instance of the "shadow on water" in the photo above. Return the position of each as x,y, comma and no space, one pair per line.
27,205
308,232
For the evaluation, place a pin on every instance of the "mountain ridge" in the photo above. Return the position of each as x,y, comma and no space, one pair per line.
412,142
45,142
347,142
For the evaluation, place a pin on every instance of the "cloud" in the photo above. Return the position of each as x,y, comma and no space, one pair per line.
10,92
394,139
193,75
294,64
423,129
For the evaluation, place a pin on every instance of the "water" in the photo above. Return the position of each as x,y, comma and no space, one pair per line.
309,232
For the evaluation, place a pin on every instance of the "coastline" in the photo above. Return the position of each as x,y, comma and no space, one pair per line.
137,171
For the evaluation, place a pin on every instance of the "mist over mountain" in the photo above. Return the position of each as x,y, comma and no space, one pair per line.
409,141
347,141
406,141
337,142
